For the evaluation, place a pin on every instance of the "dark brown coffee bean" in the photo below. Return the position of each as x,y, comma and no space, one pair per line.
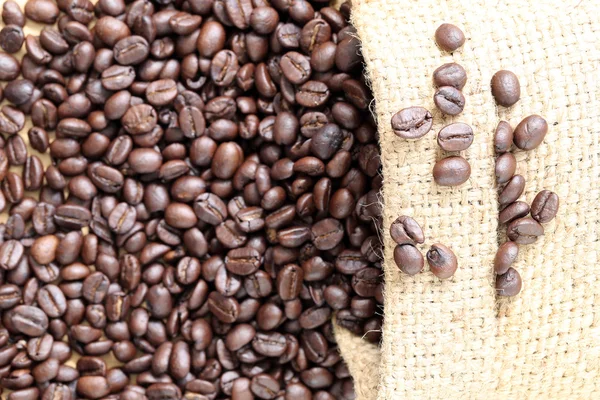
11,120
506,166
29,320
264,386
515,210
12,38
512,191
131,50
224,67
509,284
455,137
449,100
9,67
412,122
12,14
530,132
450,74
442,261
118,77
451,171
327,234
524,230
139,119
449,37
93,387
544,206
312,94
506,88
503,137
225,309
348,54
405,230
271,344
16,150
408,259
95,287
295,67
43,11
505,256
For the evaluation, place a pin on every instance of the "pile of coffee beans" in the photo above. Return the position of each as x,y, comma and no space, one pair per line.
406,233
211,202
521,229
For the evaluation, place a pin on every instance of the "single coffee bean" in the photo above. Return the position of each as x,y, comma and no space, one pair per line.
451,171
12,14
450,74
524,230
509,284
405,230
264,386
449,100
503,137
518,209
544,206
506,88
408,259
530,132
11,38
506,166
442,261
449,37
93,387
131,50
455,137
512,191
412,122
42,11
505,256
29,320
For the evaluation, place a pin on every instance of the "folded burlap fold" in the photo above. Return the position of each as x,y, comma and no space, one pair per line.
457,339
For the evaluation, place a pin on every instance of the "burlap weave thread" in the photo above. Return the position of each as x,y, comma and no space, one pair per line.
456,339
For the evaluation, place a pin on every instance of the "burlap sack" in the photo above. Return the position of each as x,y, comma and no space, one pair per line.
456,339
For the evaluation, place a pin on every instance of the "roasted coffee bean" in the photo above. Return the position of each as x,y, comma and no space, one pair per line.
505,256
455,137
449,100
503,137
442,261
131,50
43,11
408,259
450,74
544,206
509,283
451,171
530,132
524,230
12,14
506,88
412,122
512,191
449,37
515,210
11,120
506,166
264,386
29,320
11,38
405,230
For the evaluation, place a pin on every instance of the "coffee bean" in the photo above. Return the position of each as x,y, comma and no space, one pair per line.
442,261
509,283
412,122
530,132
503,137
12,14
408,259
512,191
455,137
42,11
544,206
515,210
524,230
405,230
264,386
506,166
450,74
11,120
449,37
449,100
11,38
505,256
131,50
93,387
295,67
506,88
29,320
451,171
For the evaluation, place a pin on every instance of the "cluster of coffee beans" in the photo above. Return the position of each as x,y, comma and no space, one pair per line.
212,200
407,232
521,229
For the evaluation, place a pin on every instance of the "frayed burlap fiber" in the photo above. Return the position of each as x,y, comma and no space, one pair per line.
456,339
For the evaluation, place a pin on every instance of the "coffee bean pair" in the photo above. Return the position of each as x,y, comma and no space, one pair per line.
521,229
407,233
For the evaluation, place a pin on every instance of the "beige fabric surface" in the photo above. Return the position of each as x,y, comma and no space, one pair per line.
456,339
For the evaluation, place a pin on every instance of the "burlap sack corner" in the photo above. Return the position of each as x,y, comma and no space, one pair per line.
456,339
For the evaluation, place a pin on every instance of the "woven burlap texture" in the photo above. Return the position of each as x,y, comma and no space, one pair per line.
457,339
